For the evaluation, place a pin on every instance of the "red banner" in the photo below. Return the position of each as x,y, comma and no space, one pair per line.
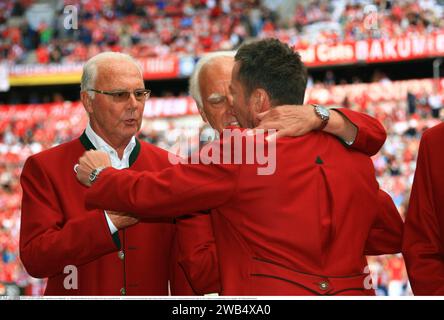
365,51
34,74
374,50
160,68
373,92
170,107
43,111
154,108
182,106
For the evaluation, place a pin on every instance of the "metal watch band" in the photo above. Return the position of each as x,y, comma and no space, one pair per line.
324,118
94,174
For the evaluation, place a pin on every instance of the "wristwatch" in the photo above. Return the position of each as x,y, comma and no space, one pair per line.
323,113
94,174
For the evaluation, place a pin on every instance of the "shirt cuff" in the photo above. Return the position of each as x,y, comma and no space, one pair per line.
349,143
112,227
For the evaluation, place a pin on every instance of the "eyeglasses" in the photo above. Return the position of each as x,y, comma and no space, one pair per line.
123,95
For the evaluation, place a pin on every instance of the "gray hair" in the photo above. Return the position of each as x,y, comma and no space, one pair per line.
89,74
194,87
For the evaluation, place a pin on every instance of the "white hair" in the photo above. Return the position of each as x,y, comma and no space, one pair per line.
194,87
89,74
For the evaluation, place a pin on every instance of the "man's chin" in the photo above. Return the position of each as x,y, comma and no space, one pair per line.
130,130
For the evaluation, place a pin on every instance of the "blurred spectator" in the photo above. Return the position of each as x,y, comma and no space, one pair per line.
397,275
411,103
329,79
435,103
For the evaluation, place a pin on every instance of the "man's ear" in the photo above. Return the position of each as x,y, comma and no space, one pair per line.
261,100
87,101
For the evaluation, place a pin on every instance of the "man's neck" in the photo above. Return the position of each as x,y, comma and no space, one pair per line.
117,144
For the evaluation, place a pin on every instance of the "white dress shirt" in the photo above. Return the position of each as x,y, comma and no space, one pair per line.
117,163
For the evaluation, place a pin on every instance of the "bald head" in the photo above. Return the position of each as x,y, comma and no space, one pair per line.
214,78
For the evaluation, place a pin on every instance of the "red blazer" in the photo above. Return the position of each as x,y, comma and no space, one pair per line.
57,230
198,255
371,134
423,245
299,231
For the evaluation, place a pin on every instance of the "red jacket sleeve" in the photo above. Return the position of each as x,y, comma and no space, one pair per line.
197,254
179,283
48,241
175,191
385,236
422,245
371,134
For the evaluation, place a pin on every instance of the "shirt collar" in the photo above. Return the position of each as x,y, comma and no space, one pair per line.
100,144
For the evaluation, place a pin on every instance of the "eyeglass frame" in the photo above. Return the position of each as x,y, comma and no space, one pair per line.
112,93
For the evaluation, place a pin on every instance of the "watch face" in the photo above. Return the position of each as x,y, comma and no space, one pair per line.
323,113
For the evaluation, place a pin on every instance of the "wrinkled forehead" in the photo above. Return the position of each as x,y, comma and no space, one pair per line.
119,70
216,90
215,79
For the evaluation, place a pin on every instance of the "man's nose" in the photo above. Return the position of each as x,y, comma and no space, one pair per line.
132,101
230,110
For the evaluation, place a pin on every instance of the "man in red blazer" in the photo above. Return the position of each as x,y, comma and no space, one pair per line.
92,252
209,87
423,245
301,230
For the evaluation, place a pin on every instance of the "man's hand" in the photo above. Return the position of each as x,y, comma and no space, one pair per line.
297,120
88,162
122,220
289,120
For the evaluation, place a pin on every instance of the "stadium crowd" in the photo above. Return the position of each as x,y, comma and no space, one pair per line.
148,28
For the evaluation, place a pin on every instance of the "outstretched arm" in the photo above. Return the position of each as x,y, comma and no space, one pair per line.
178,190
360,131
